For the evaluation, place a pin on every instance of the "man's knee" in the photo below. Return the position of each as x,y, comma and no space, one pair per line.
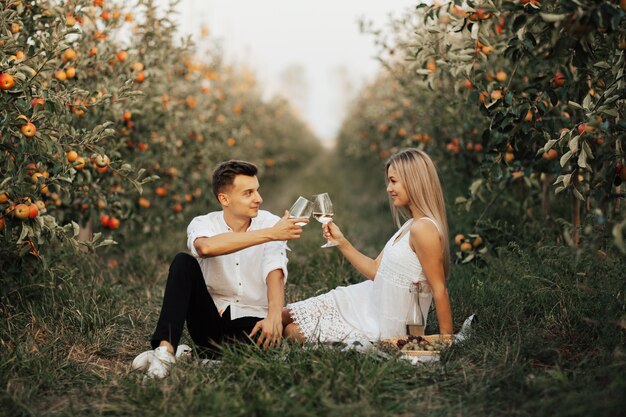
184,261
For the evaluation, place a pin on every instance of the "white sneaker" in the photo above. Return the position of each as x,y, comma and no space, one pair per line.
160,363
142,361
183,351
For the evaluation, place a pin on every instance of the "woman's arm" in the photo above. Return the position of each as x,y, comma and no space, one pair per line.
426,244
364,264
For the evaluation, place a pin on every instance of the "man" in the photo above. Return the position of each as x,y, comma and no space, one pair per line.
232,284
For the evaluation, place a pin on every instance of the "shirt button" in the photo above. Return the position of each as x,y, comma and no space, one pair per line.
237,264
237,300
240,284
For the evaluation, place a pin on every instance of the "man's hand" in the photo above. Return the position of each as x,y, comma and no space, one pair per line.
287,229
271,328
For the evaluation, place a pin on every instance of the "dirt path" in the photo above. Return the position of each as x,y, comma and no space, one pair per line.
310,179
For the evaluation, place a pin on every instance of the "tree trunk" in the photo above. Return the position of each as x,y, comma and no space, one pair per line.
85,233
575,212
545,195
618,190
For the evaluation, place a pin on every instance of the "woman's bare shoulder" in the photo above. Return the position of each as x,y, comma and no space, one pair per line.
424,234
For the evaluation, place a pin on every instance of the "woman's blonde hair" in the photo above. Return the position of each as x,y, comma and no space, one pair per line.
417,172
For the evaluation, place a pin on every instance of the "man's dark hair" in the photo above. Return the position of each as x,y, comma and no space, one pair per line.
225,173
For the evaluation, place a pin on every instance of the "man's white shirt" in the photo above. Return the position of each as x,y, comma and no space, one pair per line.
238,279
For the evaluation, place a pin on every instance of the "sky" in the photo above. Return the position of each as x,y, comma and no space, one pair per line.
311,52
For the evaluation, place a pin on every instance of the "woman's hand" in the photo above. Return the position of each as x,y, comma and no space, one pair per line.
332,232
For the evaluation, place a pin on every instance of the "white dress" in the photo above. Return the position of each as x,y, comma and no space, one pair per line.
369,310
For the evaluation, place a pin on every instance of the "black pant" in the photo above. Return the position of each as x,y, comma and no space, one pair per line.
187,299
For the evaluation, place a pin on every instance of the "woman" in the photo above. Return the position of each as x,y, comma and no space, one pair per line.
417,252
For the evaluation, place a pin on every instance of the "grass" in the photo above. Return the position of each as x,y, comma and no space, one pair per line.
549,338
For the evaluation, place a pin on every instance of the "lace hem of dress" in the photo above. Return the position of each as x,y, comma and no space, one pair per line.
320,321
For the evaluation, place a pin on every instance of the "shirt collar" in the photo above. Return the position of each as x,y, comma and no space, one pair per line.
225,225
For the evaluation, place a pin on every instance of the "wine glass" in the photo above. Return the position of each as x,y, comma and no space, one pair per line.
323,212
301,209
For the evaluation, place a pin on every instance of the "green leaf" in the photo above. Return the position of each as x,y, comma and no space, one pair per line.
575,105
474,31
476,186
549,145
608,111
566,180
552,18
558,180
587,150
508,99
602,64
567,237
26,231
610,90
573,144
468,69
49,222
566,156
137,186
109,133
105,242
519,21
28,69
75,229
582,159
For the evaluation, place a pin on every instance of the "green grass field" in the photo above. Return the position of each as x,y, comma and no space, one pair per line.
549,340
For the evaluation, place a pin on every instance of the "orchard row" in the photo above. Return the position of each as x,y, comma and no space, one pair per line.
524,98
108,122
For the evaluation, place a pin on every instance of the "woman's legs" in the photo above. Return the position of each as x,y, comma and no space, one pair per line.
291,330
286,316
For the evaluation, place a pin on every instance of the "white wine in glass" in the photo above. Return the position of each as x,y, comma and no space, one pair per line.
301,209
323,212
